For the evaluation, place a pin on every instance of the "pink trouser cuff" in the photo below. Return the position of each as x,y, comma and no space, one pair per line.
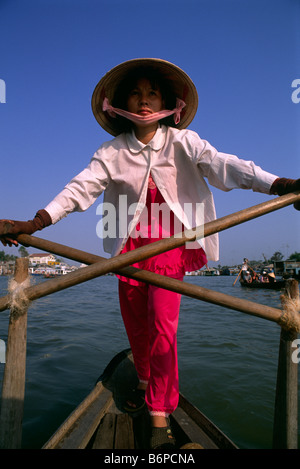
143,381
158,414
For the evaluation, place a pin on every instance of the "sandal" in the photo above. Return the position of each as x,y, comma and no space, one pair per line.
162,438
135,401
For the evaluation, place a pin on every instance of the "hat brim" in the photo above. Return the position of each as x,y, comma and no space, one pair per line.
183,86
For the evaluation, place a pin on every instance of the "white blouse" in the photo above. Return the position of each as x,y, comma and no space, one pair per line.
179,160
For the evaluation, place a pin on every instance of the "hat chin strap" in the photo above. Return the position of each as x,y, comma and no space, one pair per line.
137,119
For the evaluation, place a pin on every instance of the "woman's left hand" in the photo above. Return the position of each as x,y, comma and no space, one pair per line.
283,186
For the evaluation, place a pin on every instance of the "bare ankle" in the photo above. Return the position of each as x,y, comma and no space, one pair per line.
159,421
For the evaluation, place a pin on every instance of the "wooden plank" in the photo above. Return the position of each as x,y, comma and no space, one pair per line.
208,427
13,388
142,429
193,433
124,438
78,429
285,433
83,430
105,434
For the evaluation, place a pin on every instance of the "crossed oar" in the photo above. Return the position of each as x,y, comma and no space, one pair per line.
122,264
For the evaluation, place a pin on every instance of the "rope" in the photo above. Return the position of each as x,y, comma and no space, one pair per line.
290,319
18,300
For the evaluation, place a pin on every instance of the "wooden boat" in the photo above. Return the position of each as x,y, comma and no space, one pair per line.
99,422
278,285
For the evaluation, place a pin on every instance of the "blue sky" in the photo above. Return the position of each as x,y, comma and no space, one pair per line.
242,55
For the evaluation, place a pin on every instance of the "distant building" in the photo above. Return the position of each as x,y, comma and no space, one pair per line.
7,267
287,268
209,272
41,258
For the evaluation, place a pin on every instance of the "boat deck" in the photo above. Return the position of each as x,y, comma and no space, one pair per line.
122,431
99,422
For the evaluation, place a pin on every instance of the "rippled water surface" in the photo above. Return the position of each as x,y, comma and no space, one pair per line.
227,359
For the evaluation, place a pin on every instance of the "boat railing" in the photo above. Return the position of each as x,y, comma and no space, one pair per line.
285,430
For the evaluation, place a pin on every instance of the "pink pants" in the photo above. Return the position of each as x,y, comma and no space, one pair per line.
150,315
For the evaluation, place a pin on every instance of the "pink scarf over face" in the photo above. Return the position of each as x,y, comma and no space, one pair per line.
135,118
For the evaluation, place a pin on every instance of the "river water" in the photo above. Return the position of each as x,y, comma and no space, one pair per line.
227,359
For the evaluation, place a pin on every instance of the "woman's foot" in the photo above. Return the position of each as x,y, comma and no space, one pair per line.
162,438
135,401
161,434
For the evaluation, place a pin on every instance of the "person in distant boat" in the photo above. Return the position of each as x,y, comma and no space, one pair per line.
264,277
255,278
244,267
246,276
153,162
271,277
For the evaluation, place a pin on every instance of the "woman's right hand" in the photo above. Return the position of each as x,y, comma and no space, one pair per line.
9,229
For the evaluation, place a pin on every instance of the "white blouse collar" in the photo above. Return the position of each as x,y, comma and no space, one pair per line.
157,142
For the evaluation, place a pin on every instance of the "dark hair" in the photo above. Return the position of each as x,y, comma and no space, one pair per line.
157,80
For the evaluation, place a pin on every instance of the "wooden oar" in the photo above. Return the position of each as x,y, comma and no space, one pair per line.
118,263
99,265
166,244
237,278
123,260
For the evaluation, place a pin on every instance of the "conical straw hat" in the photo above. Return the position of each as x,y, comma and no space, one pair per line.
183,86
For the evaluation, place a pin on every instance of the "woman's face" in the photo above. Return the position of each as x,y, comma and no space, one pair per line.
144,100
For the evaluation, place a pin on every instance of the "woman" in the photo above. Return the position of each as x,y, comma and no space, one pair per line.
153,161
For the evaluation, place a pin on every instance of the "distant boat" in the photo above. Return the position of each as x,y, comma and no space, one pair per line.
265,279
50,275
277,285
